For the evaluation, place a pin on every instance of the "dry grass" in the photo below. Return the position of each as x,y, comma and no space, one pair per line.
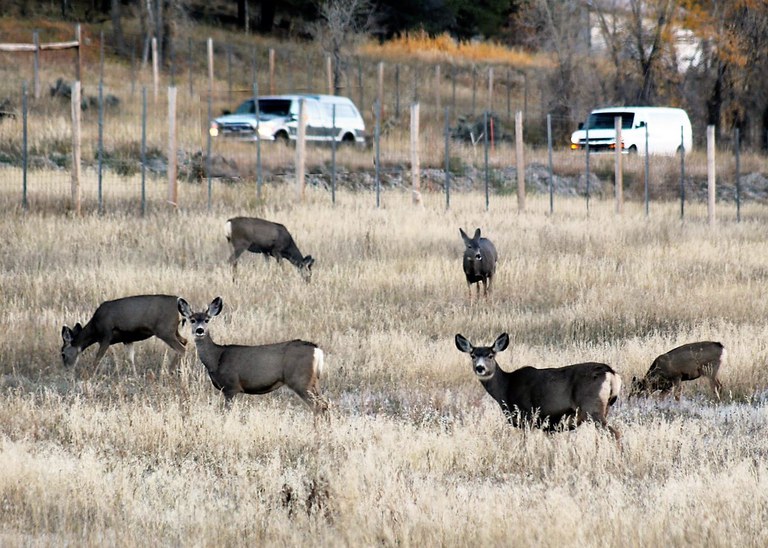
416,453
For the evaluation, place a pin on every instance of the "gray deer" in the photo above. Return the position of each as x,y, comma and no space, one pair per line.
684,363
479,262
542,398
235,369
127,320
262,236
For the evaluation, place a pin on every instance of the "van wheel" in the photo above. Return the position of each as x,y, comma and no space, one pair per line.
282,138
633,150
348,139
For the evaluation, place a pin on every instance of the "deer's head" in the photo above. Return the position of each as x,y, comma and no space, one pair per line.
198,321
483,357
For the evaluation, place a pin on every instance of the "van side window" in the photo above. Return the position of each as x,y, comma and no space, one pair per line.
246,108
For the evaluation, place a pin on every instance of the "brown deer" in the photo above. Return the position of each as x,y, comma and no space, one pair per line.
271,239
126,321
235,369
542,398
684,363
479,262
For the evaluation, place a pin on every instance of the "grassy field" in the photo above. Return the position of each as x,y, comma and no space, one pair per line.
415,453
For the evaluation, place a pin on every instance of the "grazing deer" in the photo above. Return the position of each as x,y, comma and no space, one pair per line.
271,239
543,397
256,369
479,262
126,321
684,363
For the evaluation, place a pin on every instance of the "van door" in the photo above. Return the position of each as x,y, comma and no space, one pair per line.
315,129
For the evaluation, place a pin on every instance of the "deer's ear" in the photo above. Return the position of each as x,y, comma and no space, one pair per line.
462,344
477,234
501,343
309,261
215,307
66,335
184,308
463,235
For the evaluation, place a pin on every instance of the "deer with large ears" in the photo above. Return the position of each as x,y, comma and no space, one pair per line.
479,262
127,320
542,398
235,369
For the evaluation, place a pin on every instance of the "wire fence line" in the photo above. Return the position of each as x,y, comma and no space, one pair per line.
468,130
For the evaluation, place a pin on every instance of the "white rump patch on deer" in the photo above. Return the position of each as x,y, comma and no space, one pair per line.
318,362
228,230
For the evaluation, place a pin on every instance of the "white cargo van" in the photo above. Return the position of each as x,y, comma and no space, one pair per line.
668,128
329,117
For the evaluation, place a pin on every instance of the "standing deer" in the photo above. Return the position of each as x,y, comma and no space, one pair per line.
543,397
479,262
271,239
126,321
256,369
684,363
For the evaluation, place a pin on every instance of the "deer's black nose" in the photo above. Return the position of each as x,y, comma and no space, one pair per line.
480,369
199,331
478,257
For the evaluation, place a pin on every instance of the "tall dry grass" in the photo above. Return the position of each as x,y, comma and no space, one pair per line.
415,453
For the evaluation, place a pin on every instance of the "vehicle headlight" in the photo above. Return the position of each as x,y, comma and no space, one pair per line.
214,129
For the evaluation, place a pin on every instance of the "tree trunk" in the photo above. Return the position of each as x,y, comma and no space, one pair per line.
715,101
117,27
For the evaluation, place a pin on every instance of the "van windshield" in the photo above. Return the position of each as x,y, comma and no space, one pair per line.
604,120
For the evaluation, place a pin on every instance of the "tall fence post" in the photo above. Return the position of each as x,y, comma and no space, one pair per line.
485,161
377,135
711,174
586,157
301,147
143,151
271,71
208,158
333,155
173,183
520,160
437,87
682,174
24,143
647,174
36,82
447,162
210,66
155,70
490,89
737,145
415,161
78,53
380,83
257,112
190,63
618,171
329,73
551,169
76,198
100,146
397,91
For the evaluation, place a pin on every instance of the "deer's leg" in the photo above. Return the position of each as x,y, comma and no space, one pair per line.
237,250
176,345
103,347
131,356
312,397
716,386
678,389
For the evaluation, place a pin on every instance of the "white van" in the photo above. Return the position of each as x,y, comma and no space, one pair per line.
279,114
666,128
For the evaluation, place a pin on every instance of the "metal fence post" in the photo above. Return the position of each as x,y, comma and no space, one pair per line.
143,151
447,163
551,170
737,144
647,173
378,155
682,174
257,112
24,202
485,154
101,145
334,131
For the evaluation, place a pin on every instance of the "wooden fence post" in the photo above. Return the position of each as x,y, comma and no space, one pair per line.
36,83
520,160
76,202
271,71
155,70
329,73
300,150
173,185
78,53
210,66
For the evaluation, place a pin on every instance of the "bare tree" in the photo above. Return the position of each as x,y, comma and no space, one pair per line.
343,23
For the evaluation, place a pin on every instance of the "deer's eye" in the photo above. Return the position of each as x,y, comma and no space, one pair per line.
192,321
